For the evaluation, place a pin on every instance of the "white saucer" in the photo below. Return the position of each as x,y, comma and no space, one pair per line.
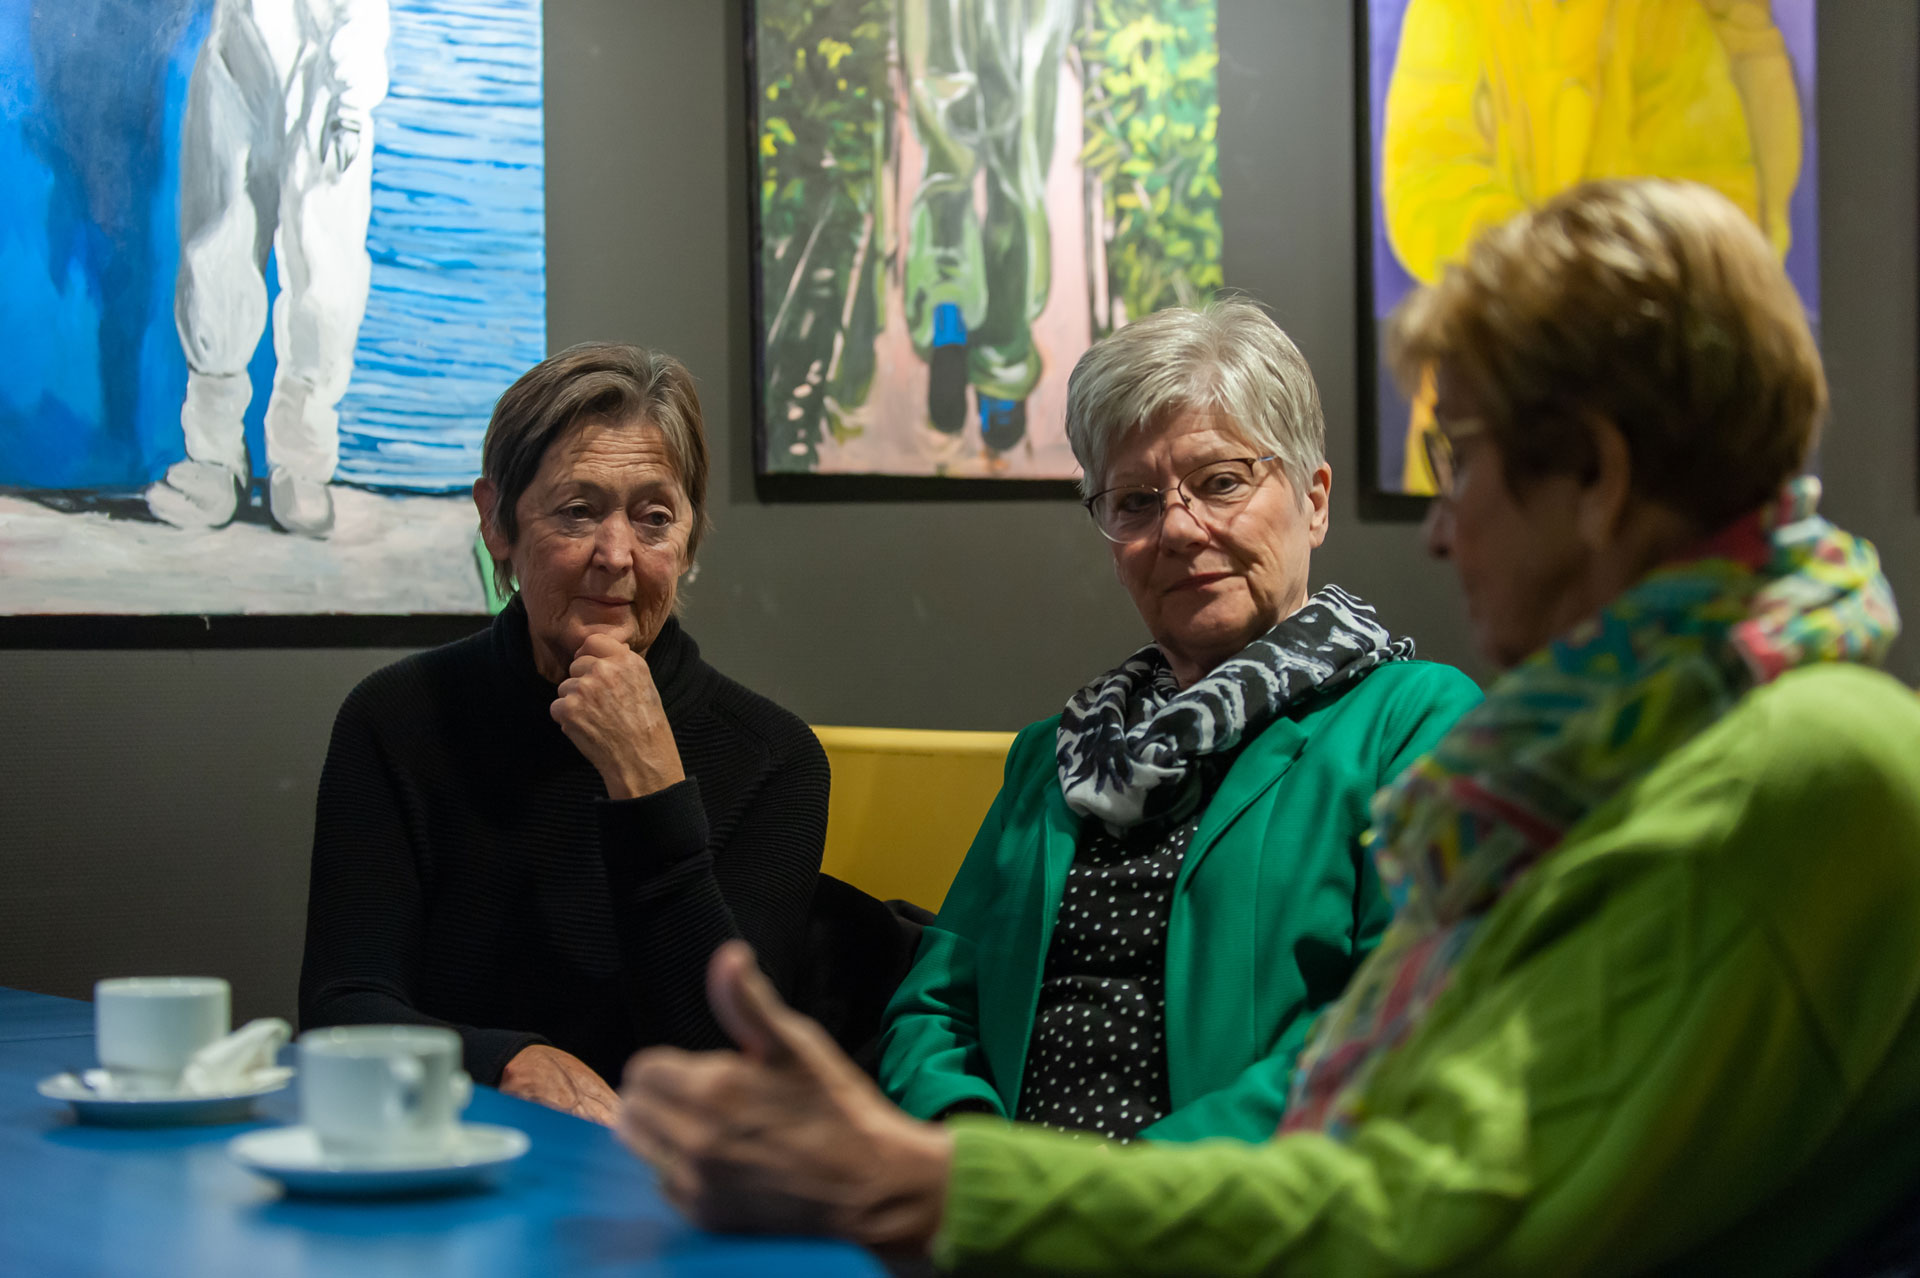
479,1156
158,1109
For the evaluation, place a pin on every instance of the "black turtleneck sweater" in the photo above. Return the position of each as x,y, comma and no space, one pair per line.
470,871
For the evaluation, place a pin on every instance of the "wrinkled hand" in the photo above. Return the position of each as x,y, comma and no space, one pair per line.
548,1076
610,710
785,1136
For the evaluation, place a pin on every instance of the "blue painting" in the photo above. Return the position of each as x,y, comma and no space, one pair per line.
265,266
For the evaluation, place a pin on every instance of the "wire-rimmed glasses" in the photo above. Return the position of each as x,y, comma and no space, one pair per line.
1441,458
1210,492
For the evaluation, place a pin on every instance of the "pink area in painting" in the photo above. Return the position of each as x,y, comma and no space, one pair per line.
895,438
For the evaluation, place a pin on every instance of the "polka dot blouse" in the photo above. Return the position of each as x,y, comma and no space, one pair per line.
1097,1061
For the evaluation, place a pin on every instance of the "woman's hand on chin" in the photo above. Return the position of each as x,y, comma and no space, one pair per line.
609,708
785,1136
548,1076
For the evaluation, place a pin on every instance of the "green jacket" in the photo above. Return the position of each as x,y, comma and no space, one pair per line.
1686,1043
1274,907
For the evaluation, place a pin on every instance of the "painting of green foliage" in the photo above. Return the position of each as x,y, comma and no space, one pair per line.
953,199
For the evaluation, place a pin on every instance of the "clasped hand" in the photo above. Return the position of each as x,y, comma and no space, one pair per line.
548,1076
610,709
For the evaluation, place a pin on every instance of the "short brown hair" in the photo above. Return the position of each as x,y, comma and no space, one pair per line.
1655,304
592,382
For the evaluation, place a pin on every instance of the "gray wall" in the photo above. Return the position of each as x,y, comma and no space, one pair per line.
155,807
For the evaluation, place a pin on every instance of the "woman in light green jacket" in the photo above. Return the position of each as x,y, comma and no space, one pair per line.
1651,999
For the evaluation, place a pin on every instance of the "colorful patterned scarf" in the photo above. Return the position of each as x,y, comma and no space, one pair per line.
1131,742
1564,731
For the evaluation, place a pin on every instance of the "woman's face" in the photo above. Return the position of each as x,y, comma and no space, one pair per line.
1207,585
602,541
1522,563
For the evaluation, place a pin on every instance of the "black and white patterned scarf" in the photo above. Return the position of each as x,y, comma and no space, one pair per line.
1131,743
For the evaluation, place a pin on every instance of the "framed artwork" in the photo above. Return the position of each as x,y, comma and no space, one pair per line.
952,200
264,267
1471,110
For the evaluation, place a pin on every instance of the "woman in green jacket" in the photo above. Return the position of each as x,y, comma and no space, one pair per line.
1650,1002
1171,883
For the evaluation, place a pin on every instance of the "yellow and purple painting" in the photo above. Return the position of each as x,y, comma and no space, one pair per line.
1480,108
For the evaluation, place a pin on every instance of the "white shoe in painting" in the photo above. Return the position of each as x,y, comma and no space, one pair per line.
299,506
195,494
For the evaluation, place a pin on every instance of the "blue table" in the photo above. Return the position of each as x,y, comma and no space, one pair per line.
24,1015
103,1201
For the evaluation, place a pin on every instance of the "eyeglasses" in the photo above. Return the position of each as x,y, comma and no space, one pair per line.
1441,458
1210,492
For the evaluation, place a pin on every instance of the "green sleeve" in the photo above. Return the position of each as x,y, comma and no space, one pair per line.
931,1058
1456,1164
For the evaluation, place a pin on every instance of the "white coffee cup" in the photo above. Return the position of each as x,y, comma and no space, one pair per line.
382,1091
146,1028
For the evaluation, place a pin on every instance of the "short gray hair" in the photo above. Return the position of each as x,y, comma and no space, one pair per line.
1226,357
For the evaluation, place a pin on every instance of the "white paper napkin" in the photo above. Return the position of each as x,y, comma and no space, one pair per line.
243,1061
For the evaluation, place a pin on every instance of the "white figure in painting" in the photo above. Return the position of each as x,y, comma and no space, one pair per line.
276,152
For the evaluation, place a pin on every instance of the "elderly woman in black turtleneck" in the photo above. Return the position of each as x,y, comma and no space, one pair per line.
536,836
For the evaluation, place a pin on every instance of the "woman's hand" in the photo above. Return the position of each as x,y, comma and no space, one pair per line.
548,1076
609,708
787,1136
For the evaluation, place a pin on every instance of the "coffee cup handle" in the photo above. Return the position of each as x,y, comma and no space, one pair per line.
461,1085
409,1074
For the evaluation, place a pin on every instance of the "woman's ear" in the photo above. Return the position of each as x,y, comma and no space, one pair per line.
1604,496
1319,502
486,500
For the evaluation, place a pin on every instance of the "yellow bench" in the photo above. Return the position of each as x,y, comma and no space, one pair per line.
905,806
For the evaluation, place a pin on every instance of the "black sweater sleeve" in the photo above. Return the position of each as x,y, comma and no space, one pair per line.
680,889
365,904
